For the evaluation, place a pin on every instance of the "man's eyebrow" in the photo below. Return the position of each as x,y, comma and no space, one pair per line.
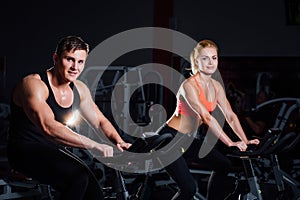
67,56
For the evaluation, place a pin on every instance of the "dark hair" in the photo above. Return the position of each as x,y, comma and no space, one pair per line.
71,43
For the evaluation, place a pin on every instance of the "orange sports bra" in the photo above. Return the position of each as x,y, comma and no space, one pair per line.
184,109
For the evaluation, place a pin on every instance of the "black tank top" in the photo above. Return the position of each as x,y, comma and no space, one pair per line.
23,130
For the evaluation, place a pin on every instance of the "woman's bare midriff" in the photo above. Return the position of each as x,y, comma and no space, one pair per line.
184,124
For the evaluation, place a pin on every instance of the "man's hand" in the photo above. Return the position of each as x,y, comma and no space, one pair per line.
106,150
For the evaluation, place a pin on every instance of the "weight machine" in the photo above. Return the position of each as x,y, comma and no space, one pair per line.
119,89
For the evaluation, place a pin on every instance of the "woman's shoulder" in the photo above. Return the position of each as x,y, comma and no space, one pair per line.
216,83
188,84
189,81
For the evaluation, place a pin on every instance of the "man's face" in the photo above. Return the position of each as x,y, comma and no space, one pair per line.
71,64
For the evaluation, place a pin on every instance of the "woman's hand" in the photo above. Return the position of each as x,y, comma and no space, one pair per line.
241,145
123,145
254,141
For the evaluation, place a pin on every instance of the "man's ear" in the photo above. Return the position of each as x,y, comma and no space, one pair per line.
55,57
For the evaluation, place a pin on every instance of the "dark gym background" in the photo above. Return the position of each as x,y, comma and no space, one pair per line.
253,36
30,29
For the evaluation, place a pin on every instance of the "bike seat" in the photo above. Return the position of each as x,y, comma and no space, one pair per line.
149,144
140,145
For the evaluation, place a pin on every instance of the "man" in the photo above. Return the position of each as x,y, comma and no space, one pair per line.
41,104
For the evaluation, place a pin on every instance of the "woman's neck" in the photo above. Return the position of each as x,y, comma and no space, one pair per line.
204,77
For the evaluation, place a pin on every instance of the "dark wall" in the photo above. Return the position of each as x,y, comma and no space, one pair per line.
30,30
241,28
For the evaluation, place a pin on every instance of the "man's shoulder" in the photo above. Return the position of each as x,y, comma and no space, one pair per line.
29,86
32,81
81,87
31,77
80,84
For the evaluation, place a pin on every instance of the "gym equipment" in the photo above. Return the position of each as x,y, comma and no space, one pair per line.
261,164
247,160
140,145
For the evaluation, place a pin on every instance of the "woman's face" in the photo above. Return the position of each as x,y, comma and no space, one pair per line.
207,60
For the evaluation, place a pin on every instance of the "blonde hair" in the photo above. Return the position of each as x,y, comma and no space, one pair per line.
196,51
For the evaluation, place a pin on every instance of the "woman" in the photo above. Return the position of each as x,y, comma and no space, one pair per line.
197,98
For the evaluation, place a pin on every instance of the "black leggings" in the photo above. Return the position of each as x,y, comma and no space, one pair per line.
59,168
214,160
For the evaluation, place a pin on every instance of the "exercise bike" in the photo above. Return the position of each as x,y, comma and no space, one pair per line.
119,188
271,144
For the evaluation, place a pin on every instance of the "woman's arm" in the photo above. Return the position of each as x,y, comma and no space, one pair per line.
191,94
230,116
